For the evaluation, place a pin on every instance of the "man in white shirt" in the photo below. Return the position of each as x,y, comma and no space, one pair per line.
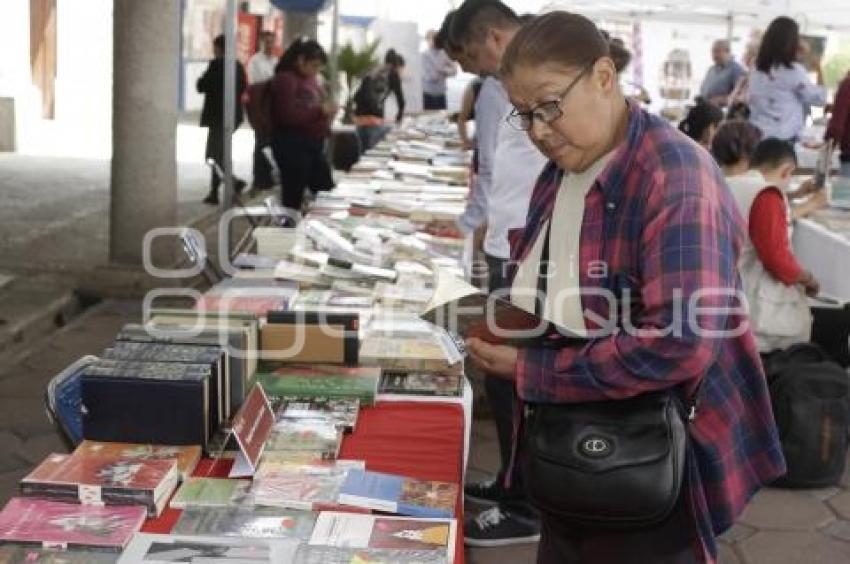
436,68
508,167
262,63
260,69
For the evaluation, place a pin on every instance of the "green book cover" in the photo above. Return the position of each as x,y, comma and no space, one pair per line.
363,388
210,492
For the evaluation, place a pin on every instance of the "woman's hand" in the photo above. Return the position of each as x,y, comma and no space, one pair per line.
498,360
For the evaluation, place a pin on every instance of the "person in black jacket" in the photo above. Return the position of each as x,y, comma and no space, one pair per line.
211,85
370,97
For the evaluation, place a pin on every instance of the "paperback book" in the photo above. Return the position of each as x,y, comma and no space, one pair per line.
340,412
246,521
399,494
162,549
308,554
321,437
58,524
421,384
210,492
297,489
187,457
351,530
23,554
104,480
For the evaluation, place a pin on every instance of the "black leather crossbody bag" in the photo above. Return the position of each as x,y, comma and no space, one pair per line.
610,464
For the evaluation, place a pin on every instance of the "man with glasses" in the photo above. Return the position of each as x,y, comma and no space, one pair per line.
509,165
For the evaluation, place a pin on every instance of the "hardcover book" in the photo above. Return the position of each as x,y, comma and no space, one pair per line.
58,524
232,340
210,492
246,521
161,549
462,309
351,530
322,381
399,494
104,479
421,384
187,457
148,402
183,354
311,337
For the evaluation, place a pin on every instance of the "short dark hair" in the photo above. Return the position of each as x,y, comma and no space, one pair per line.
443,35
308,49
559,37
773,153
392,58
734,141
699,119
266,33
779,44
218,42
475,18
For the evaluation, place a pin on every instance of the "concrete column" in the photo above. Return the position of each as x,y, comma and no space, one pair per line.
296,24
144,121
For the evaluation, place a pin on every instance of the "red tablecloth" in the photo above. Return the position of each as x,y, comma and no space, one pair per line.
421,440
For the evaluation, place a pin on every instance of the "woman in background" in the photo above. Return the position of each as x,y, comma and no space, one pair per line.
302,116
702,122
780,92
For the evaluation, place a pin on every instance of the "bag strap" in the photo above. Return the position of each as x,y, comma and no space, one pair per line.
539,307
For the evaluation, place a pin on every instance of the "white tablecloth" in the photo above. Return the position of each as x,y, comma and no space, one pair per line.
826,254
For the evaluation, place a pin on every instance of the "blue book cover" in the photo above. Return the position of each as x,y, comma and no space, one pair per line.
399,494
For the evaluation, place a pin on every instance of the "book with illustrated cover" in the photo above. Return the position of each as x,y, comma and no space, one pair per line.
407,354
341,412
399,494
298,489
322,381
462,309
150,548
246,521
187,457
21,554
308,554
210,492
104,479
421,384
321,437
59,524
351,530
303,461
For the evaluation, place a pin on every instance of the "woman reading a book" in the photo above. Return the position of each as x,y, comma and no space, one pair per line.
638,237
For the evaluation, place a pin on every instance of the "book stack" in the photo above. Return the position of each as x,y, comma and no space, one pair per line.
104,479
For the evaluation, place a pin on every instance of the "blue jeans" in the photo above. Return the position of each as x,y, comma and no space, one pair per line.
370,135
845,169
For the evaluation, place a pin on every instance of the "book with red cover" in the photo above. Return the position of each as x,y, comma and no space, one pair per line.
187,457
58,524
107,480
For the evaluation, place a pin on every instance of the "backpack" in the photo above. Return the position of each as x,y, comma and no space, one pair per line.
372,92
811,404
259,107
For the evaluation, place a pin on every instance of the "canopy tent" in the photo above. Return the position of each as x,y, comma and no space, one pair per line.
825,15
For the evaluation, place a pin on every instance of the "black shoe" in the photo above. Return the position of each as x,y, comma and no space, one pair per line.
498,526
211,199
488,491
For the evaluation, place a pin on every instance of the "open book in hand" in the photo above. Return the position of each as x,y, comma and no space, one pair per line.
462,309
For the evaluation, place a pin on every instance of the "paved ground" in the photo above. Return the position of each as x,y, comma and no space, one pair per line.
55,209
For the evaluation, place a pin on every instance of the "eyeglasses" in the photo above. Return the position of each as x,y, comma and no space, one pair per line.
547,112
